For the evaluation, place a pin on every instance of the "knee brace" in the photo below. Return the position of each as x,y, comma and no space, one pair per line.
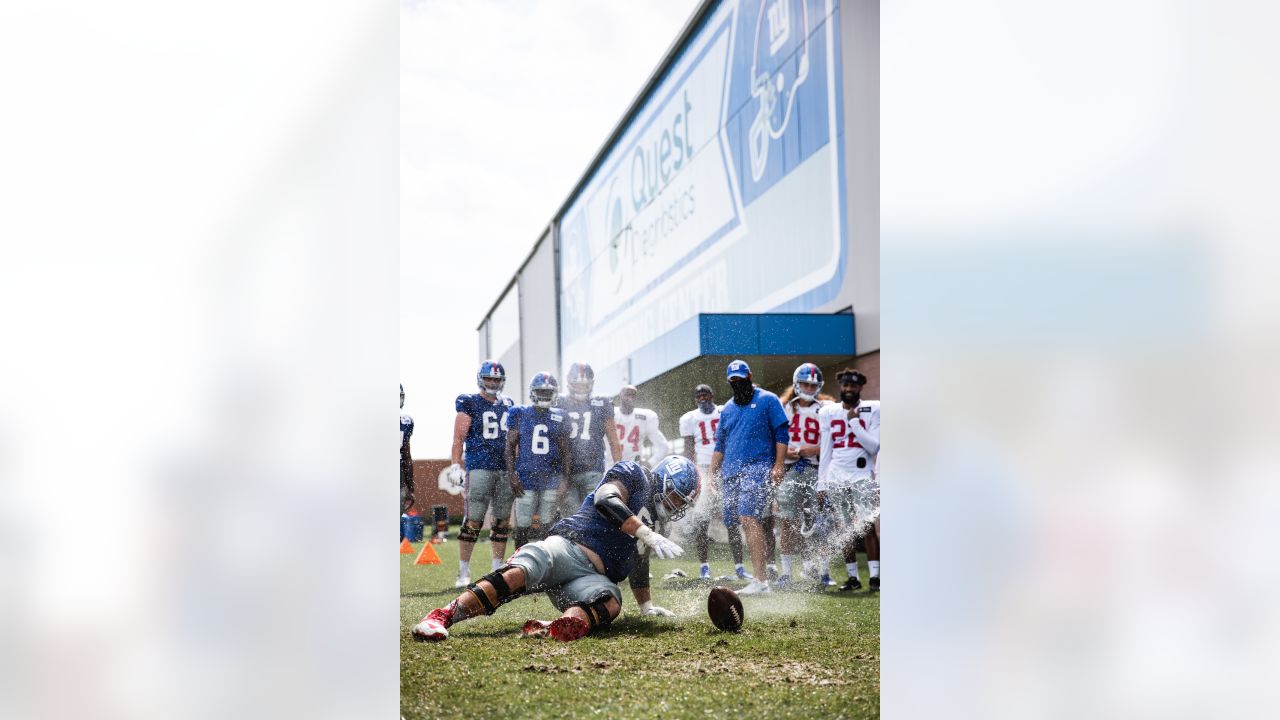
500,531
499,586
597,613
468,533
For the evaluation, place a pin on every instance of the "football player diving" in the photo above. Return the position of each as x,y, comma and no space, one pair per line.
587,554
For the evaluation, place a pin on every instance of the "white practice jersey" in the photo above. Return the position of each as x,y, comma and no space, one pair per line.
803,426
702,428
849,445
634,429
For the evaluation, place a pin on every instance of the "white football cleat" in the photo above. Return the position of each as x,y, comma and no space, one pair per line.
462,581
432,627
755,588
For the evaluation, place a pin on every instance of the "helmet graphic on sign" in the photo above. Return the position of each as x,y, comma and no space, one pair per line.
779,65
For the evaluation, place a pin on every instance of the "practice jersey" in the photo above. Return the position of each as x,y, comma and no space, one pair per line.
748,433
586,431
406,430
702,428
802,429
587,527
538,458
849,445
487,435
634,429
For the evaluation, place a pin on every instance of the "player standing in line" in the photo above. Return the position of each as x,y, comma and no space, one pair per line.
537,455
749,460
698,428
480,426
590,421
406,461
796,493
850,444
586,556
636,425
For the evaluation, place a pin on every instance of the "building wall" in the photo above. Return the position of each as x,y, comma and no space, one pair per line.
539,335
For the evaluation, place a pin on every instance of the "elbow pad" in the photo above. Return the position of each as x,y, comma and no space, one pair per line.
609,504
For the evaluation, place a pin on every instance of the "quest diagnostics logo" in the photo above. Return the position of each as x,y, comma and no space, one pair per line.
646,202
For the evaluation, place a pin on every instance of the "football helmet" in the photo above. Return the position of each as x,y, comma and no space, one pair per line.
809,374
581,379
491,378
543,389
779,65
676,475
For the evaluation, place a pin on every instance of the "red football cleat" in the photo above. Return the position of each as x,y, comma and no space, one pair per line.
435,626
535,629
568,628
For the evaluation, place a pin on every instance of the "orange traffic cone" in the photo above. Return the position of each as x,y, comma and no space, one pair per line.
428,556
405,547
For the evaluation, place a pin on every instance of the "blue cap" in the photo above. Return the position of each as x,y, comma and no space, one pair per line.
738,369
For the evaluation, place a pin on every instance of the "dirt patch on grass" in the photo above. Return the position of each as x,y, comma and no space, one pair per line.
594,666
677,664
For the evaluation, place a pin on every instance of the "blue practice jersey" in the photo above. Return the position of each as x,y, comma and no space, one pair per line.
586,431
589,528
748,433
406,429
487,436
538,459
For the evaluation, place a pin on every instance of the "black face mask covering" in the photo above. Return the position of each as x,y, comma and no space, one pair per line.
742,390
851,398
707,407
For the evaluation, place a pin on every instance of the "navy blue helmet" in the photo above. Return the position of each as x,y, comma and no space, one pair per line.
543,389
676,476
491,378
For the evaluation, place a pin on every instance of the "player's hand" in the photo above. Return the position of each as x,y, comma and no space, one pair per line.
516,488
661,546
822,500
456,474
655,611
793,452
777,473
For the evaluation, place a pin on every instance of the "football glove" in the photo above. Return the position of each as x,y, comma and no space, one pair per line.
661,546
456,475
654,611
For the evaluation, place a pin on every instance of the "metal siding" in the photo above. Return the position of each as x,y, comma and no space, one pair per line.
538,339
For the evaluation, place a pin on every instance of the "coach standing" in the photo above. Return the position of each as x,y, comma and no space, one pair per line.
750,458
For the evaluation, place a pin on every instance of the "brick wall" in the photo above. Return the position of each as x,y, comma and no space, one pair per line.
428,493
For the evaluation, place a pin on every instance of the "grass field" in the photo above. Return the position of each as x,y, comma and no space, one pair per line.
799,655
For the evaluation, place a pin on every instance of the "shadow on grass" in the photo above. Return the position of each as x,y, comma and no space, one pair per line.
447,592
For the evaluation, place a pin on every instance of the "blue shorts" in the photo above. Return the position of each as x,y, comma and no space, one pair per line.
746,494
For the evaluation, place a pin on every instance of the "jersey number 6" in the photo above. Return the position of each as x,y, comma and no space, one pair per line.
540,445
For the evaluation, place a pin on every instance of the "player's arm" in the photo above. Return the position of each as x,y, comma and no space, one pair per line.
611,503
781,436
513,442
825,442
611,434
661,448
566,460
689,452
868,437
461,426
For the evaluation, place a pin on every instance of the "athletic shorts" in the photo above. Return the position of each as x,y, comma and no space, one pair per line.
539,502
855,502
488,489
796,492
746,494
559,568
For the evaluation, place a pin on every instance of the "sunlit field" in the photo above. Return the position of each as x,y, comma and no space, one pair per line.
799,654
